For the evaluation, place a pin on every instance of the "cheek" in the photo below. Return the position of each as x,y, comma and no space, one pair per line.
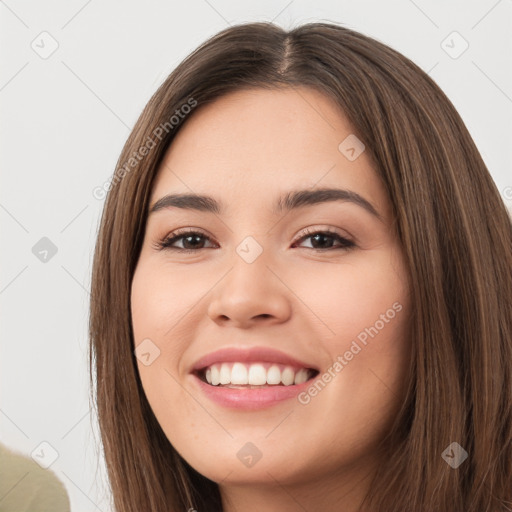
351,296
364,310
161,298
162,306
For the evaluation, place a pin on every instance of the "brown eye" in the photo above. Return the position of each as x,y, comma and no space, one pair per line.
323,240
192,241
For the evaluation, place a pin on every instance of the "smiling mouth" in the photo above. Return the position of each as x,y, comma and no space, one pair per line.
237,375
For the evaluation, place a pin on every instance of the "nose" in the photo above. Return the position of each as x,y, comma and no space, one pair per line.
250,294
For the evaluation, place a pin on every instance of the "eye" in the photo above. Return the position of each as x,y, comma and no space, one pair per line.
193,241
190,238
325,237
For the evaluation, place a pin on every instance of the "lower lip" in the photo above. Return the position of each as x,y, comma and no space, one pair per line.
250,398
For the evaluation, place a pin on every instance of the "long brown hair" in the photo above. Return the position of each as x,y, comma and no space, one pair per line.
456,237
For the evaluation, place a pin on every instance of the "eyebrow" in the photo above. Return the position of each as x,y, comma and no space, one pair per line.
289,201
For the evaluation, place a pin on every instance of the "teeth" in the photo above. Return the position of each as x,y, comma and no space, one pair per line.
257,374
215,376
274,375
301,376
239,374
288,376
225,374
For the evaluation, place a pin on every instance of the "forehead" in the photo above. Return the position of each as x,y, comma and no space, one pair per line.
249,143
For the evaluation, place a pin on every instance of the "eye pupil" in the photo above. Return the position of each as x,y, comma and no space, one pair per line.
193,237
321,236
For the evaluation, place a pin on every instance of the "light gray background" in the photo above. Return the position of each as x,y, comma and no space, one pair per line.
64,120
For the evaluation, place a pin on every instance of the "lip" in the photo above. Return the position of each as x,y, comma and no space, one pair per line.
250,355
250,399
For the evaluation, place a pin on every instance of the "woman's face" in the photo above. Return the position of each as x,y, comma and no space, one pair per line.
272,290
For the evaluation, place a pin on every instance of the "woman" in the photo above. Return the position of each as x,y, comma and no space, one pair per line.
302,293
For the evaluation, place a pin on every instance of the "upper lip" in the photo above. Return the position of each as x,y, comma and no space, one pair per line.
249,355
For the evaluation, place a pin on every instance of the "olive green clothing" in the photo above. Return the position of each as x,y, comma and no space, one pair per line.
26,487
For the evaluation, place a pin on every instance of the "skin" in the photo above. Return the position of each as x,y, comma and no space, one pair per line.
246,149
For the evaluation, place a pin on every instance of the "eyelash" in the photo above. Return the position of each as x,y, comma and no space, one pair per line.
167,242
